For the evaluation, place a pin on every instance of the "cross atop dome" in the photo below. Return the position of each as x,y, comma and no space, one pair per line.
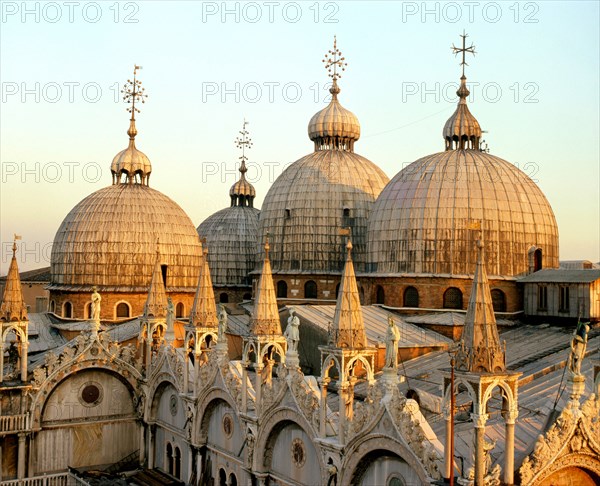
131,162
463,50
334,59
242,193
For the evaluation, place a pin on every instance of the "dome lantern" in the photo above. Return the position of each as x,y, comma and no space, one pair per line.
462,130
242,193
334,127
132,163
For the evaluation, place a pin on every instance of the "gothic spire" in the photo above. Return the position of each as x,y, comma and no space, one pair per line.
265,315
13,306
204,309
348,324
156,303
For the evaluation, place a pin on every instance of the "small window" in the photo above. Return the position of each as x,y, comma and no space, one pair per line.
453,298
346,213
88,311
310,290
163,269
282,289
247,296
122,310
232,480
224,298
288,213
379,295
180,310
498,300
68,310
177,463
542,297
52,306
411,297
169,458
564,299
537,260
222,477
337,291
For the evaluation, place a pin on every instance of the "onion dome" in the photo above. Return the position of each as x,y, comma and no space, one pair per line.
462,130
312,203
420,222
108,240
132,163
232,233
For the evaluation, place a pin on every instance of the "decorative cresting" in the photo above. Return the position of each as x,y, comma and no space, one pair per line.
348,323
242,193
346,351
462,130
480,369
334,127
130,162
156,303
480,349
13,316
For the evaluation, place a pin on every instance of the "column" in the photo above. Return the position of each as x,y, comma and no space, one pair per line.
142,443
343,390
24,346
1,358
479,423
186,370
21,457
150,451
245,387
509,455
258,386
448,459
323,410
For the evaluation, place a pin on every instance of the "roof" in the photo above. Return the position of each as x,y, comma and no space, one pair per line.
376,324
562,276
37,275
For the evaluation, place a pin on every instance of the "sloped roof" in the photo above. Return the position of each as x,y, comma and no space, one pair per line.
562,276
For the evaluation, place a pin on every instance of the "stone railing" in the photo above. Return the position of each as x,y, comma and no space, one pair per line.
14,423
60,479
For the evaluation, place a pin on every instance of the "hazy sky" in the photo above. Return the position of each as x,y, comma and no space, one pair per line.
207,65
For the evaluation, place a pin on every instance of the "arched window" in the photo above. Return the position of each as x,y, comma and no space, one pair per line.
88,311
281,289
122,310
224,298
180,310
232,480
310,290
247,296
337,291
169,458
379,295
453,298
68,310
222,477
411,297
177,463
498,300
52,306
537,260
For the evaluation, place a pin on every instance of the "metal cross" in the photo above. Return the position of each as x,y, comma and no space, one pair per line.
463,50
244,142
333,59
132,91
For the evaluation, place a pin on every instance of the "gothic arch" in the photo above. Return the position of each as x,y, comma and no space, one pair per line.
274,421
161,381
366,365
17,330
204,405
360,448
505,388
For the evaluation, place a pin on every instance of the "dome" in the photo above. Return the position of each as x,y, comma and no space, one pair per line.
311,202
231,238
334,124
109,240
462,129
131,162
420,222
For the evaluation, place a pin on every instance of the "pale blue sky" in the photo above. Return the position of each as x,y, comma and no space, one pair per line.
536,65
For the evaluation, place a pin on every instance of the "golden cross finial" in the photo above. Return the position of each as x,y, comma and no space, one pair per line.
244,142
464,50
333,59
14,247
132,91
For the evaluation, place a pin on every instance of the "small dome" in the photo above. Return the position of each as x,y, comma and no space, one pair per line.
231,238
420,222
462,130
109,240
334,126
131,161
242,188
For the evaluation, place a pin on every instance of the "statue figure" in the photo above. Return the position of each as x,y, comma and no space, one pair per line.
13,356
292,332
267,371
332,471
250,443
96,299
222,323
578,347
391,344
170,314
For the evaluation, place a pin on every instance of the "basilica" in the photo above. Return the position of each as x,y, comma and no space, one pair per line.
353,330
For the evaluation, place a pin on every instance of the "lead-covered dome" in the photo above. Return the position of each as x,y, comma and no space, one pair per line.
109,240
424,220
